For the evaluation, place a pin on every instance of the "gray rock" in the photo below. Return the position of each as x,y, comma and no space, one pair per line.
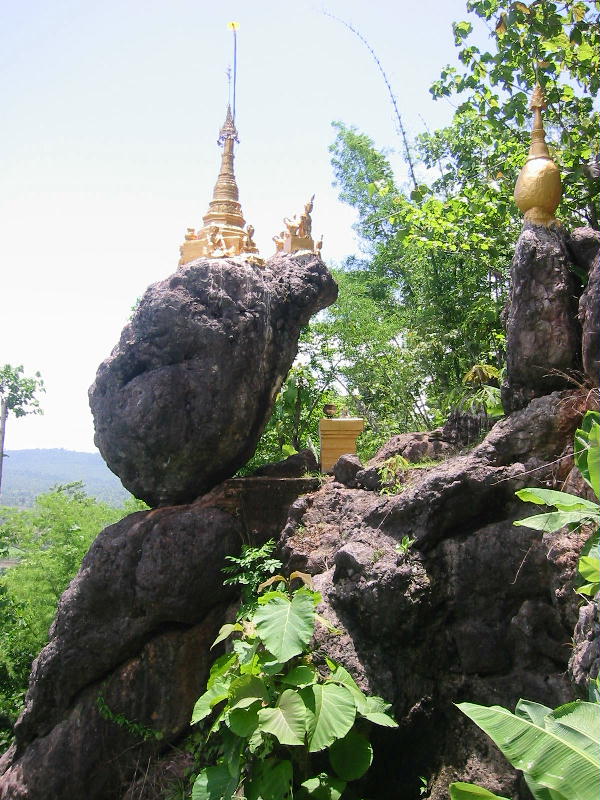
473,609
584,663
295,466
584,245
542,333
182,400
346,468
589,316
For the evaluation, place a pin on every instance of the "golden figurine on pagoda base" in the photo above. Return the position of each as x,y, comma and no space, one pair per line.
298,235
538,189
225,233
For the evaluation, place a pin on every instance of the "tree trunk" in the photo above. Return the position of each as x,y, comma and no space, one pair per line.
3,416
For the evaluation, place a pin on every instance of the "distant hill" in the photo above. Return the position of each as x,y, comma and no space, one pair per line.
27,473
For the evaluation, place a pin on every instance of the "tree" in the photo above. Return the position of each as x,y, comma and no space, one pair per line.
49,541
17,395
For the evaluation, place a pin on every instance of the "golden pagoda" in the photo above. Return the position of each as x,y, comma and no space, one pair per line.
225,232
538,189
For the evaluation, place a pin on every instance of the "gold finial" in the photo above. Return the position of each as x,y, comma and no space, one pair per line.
538,188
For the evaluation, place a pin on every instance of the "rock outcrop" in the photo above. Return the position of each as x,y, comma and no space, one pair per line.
589,307
542,333
442,599
131,641
182,400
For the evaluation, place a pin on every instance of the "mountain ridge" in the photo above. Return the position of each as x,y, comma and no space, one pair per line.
30,472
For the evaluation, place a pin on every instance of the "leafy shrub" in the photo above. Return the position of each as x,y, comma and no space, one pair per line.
274,709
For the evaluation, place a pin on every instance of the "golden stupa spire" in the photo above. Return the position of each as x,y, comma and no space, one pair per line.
538,189
224,208
225,232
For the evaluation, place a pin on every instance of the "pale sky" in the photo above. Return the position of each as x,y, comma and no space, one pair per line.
108,152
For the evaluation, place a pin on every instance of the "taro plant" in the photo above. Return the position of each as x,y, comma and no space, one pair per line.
275,713
557,750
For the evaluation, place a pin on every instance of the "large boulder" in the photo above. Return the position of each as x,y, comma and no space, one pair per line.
182,400
543,336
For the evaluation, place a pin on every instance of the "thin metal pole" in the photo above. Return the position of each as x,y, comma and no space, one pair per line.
234,68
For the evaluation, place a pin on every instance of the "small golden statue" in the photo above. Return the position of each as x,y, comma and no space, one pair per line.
319,246
249,245
298,235
279,240
305,227
538,189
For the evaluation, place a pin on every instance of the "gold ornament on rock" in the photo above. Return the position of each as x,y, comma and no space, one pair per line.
538,189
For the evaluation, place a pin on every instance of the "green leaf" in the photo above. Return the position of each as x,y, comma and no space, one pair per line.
376,712
272,780
562,500
287,721
214,783
245,690
547,758
332,711
351,756
468,791
554,521
205,703
301,676
243,721
225,632
285,626
589,569
322,787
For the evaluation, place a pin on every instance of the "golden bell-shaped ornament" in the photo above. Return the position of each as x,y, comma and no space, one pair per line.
538,189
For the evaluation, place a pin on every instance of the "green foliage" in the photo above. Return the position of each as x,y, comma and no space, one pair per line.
573,511
49,542
294,423
557,750
557,44
405,544
18,392
136,729
272,707
249,570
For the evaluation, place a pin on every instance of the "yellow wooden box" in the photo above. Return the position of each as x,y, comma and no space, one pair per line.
338,436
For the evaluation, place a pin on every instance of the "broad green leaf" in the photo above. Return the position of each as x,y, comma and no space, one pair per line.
287,721
247,687
562,500
589,568
214,783
469,791
285,626
544,756
342,676
272,780
534,712
243,721
554,521
302,675
351,756
225,632
332,711
205,703
322,787
220,667
376,712
578,722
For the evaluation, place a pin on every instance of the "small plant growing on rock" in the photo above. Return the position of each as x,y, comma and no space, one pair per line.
274,709
405,544
391,473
